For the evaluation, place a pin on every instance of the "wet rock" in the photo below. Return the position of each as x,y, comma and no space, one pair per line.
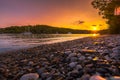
30,76
97,77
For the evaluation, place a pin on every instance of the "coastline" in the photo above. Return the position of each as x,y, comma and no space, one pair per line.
76,59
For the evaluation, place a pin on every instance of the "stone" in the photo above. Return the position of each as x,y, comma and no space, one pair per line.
72,55
78,67
72,64
74,73
89,65
45,75
82,58
41,70
31,63
85,77
79,55
88,51
111,45
114,78
30,76
116,50
107,57
73,59
97,77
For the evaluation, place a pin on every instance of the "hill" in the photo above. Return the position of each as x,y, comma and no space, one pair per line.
41,29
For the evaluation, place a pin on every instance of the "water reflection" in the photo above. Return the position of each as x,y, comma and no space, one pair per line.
95,34
18,41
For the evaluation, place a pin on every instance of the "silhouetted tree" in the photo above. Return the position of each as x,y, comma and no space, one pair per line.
107,10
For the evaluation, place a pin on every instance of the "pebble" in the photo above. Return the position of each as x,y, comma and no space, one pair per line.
85,77
72,64
87,59
97,77
78,67
72,55
30,76
82,58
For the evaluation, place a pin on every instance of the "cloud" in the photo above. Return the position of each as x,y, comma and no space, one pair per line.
78,22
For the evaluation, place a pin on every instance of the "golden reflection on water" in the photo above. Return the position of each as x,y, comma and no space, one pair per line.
95,34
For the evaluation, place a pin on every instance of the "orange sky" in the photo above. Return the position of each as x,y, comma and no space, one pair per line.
59,13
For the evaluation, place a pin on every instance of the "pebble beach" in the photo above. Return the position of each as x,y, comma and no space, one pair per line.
90,58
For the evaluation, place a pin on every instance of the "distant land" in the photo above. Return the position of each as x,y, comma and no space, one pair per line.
43,29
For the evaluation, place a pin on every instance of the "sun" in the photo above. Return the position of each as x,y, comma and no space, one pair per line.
94,28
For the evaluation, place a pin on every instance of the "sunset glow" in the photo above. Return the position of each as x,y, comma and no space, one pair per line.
58,13
95,29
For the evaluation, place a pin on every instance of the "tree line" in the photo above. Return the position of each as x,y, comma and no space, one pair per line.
41,29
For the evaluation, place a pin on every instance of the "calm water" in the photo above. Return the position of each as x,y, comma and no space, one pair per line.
9,42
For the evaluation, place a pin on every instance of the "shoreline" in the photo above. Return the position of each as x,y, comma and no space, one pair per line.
77,59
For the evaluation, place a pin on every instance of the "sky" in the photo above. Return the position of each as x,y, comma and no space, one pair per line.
75,14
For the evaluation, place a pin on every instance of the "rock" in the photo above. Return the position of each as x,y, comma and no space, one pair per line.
103,71
88,51
106,51
72,55
30,76
50,78
40,71
97,77
116,50
85,77
78,67
73,59
72,64
89,65
79,55
45,75
116,77
74,73
95,59
111,45
82,58
107,57
30,63
90,58
68,52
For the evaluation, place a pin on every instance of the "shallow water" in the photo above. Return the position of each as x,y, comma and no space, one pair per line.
9,42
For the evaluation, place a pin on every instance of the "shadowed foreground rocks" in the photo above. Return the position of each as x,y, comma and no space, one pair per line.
93,58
